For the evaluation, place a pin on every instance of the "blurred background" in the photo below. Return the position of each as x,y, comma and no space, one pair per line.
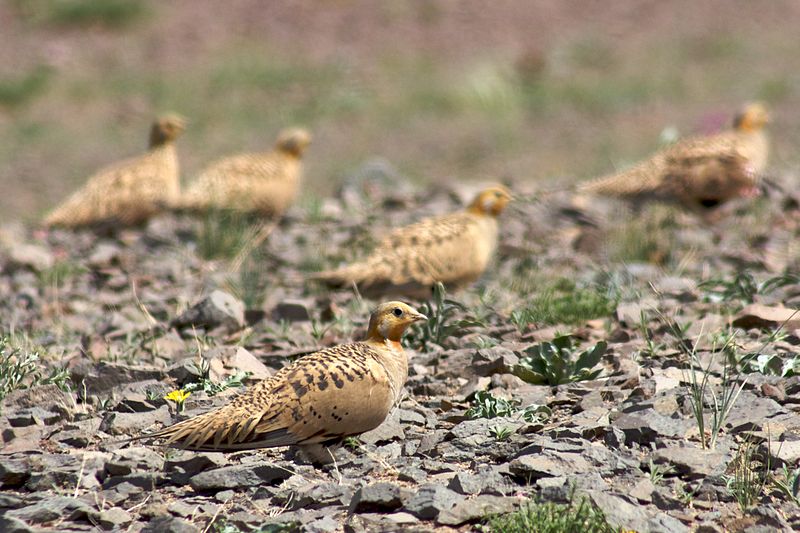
546,91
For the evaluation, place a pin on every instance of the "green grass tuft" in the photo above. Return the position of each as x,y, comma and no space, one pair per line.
81,13
15,92
563,302
548,517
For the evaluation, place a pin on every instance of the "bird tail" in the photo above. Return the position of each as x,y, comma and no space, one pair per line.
630,182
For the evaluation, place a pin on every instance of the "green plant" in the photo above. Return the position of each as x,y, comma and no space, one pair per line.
501,432
548,517
555,362
486,405
563,302
657,472
749,478
223,234
19,369
207,385
743,287
111,13
685,496
789,484
441,321
19,91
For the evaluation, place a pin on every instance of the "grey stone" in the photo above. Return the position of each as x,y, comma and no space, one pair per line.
129,423
497,360
13,472
762,316
477,508
486,481
692,462
29,416
100,378
219,309
169,524
135,458
390,429
549,463
430,500
291,311
9,524
113,518
236,476
381,496
52,508
31,256
477,432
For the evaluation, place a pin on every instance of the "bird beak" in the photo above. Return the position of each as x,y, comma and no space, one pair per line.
418,317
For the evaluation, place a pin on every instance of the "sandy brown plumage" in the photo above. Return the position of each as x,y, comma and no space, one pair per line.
131,191
697,173
323,397
453,249
261,183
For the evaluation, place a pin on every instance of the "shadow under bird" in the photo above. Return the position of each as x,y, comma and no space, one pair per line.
131,191
316,401
264,184
697,173
453,249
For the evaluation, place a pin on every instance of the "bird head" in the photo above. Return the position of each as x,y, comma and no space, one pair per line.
166,129
293,141
390,320
752,118
491,201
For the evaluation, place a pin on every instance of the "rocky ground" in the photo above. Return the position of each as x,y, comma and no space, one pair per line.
99,329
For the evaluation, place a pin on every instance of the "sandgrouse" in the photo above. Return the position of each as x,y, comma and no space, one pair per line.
697,173
453,249
317,400
265,184
131,191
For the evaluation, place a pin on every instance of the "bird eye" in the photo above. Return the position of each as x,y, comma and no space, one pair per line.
397,312
497,194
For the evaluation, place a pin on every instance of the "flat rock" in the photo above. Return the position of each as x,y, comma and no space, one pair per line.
218,309
430,500
236,476
381,496
292,311
478,508
549,464
693,462
13,472
52,508
764,316
170,524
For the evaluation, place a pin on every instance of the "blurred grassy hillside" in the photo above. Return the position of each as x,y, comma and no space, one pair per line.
444,90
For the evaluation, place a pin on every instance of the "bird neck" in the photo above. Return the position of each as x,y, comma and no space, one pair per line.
383,343
477,209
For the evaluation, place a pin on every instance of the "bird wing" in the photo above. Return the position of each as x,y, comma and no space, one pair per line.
244,181
327,395
454,248
114,192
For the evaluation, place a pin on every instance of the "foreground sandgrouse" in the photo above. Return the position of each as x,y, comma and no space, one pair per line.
697,173
453,249
319,399
131,191
263,183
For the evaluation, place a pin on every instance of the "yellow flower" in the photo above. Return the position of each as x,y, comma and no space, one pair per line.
177,396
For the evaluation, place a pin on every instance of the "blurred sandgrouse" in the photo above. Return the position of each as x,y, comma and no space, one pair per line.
131,191
453,249
261,183
317,400
697,173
